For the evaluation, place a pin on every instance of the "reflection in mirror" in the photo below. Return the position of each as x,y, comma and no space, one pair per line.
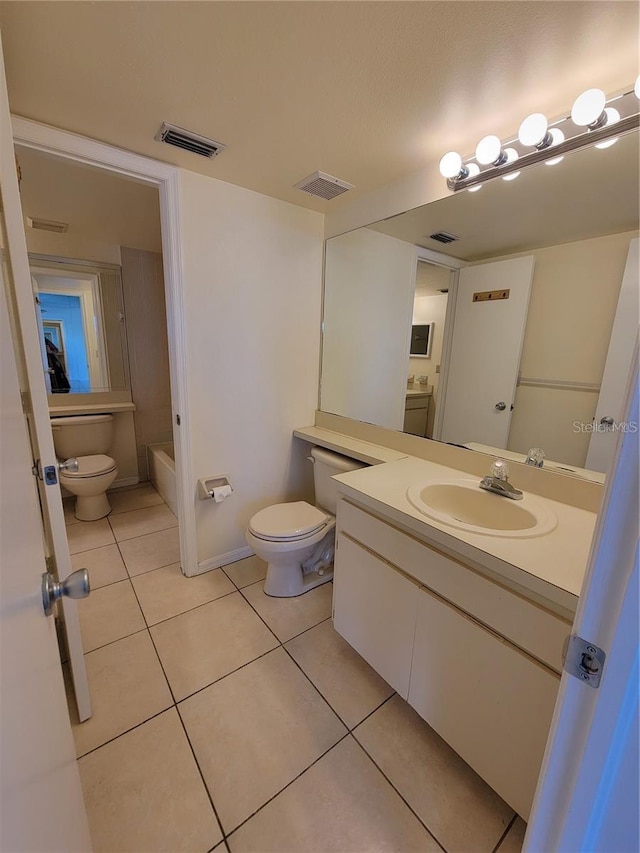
82,326
529,349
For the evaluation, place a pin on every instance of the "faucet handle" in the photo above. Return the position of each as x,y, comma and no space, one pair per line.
535,456
500,470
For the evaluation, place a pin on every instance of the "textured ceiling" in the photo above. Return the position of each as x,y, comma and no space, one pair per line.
366,91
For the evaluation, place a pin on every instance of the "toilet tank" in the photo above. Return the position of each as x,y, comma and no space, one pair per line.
326,464
82,435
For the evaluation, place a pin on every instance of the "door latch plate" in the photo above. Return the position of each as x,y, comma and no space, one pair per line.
584,660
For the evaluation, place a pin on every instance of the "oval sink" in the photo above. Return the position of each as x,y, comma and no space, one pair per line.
463,504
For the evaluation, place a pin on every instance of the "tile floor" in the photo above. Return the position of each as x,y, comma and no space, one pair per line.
224,719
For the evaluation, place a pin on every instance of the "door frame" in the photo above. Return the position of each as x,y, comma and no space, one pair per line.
454,265
79,149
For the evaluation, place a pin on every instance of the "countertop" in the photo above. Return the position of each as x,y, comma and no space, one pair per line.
549,569
90,409
364,451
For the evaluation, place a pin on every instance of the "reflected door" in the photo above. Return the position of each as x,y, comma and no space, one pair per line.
488,332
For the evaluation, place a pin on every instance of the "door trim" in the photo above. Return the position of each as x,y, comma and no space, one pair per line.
79,149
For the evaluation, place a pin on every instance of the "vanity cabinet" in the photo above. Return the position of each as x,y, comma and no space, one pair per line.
479,662
416,413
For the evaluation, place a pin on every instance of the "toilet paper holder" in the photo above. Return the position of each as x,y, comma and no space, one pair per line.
207,485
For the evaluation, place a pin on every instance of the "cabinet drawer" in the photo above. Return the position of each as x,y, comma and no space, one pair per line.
374,609
488,700
529,626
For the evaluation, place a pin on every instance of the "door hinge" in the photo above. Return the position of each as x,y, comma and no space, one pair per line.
50,562
584,660
25,397
178,420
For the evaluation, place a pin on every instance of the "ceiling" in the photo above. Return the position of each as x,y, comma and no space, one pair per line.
96,204
591,193
366,91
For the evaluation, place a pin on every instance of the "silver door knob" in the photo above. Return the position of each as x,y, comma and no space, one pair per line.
69,465
608,421
500,407
75,586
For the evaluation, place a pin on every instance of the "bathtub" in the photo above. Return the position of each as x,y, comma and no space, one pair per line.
162,472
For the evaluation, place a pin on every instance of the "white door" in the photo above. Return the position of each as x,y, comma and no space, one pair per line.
623,336
482,373
588,790
27,339
41,806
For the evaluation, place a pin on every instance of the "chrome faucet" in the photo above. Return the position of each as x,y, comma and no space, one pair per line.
535,457
497,481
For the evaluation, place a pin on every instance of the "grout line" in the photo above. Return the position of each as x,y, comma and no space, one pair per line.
204,781
506,832
408,805
226,675
288,785
111,642
125,732
190,609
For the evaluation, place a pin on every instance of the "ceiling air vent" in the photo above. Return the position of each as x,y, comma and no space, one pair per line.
443,237
322,185
47,225
187,140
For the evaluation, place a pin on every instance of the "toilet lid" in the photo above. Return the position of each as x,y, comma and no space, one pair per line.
293,520
91,466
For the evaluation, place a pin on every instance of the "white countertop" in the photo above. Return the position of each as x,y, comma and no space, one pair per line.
364,451
548,568
91,408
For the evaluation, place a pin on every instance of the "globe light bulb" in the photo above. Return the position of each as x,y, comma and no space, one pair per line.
612,117
512,156
474,170
588,108
533,130
557,136
488,150
451,165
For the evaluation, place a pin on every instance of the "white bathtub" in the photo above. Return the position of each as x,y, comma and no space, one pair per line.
162,472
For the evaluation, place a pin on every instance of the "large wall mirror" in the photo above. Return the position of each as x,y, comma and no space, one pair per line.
510,336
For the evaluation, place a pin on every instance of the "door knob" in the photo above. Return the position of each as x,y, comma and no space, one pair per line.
501,406
75,586
69,465
608,421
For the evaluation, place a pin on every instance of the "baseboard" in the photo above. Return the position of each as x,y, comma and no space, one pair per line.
224,559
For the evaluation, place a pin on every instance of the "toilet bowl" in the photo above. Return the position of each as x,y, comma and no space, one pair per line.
296,539
287,536
89,483
87,438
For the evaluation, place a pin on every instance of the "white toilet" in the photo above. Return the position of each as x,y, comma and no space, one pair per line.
297,539
88,438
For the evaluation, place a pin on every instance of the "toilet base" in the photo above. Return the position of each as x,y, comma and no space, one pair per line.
92,507
287,580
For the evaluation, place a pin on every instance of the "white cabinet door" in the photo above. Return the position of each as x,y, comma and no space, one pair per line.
484,697
374,609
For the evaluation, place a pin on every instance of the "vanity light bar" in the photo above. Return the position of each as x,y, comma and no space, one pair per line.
591,123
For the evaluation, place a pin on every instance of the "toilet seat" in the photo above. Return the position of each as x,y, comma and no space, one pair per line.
288,522
91,466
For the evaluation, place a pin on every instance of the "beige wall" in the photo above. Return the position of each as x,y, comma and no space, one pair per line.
252,287
143,288
573,302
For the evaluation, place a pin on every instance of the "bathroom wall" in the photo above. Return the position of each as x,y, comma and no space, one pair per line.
252,280
143,288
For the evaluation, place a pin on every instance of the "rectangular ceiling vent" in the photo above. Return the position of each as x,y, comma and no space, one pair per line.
443,237
47,225
188,141
323,186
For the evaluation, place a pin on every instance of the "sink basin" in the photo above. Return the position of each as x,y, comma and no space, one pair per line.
464,505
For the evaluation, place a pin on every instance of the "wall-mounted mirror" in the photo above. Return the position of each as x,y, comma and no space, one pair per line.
529,308
81,318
